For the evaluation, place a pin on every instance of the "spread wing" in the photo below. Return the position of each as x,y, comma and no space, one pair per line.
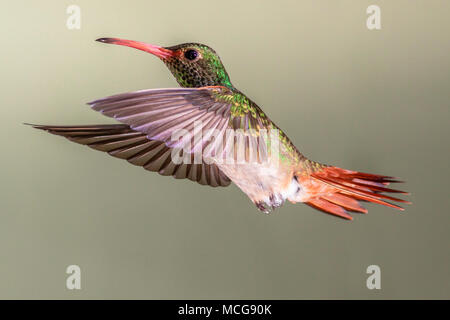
193,119
121,141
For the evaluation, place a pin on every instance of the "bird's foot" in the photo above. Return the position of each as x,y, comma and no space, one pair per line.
276,200
261,205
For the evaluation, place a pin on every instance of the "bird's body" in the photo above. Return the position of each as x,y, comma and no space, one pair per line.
211,133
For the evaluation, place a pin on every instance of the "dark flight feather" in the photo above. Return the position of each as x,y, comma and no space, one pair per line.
122,142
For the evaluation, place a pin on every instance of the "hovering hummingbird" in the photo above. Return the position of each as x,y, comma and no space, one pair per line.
149,119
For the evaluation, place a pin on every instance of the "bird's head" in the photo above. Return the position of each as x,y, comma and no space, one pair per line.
192,64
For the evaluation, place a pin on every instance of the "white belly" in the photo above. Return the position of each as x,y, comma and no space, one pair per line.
262,182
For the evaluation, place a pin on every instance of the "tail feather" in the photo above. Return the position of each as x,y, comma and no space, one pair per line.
335,190
345,202
374,188
347,187
329,207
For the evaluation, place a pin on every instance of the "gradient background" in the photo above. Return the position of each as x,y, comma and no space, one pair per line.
374,101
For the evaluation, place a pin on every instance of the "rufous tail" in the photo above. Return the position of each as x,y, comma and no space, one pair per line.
337,191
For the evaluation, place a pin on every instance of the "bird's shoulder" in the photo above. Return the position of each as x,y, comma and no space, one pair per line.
241,106
246,114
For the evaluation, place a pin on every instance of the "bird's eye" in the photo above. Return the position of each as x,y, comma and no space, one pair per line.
191,54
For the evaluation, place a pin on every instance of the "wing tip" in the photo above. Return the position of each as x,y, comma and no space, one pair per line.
37,126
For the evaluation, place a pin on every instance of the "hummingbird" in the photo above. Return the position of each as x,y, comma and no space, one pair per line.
148,119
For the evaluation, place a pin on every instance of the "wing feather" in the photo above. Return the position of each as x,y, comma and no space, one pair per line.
173,116
122,142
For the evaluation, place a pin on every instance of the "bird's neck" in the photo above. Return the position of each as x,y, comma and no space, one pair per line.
224,80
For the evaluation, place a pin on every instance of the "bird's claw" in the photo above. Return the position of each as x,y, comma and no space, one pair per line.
275,201
262,207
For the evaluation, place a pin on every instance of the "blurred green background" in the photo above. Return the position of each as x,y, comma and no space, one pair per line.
374,101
